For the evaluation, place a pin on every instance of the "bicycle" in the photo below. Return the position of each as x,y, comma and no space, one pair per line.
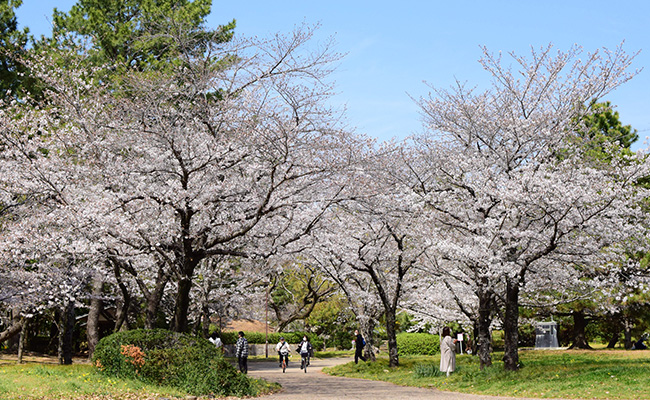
285,362
304,362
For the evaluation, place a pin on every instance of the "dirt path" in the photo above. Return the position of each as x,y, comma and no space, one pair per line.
316,385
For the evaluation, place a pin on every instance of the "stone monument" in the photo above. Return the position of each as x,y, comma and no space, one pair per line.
546,335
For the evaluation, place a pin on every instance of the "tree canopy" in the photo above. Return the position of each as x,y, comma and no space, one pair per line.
141,33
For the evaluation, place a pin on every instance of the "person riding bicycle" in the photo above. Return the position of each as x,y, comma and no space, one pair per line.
306,350
283,351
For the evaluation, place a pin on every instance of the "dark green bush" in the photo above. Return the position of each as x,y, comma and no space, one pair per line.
229,337
526,335
167,358
418,344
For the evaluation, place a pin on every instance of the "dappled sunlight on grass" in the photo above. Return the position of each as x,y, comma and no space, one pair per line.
601,374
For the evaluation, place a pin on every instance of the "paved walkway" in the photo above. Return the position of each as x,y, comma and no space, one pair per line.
316,385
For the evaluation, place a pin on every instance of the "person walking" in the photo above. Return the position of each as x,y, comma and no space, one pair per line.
283,351
447,352
242,353
359,344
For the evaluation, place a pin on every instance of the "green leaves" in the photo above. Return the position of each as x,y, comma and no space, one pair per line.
142,34
14,78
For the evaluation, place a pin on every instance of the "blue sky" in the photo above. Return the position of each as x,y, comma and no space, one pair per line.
393,46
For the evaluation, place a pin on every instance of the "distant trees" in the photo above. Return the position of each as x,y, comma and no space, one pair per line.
296,291
372,243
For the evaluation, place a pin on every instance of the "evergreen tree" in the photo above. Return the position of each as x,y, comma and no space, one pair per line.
140,33
14,77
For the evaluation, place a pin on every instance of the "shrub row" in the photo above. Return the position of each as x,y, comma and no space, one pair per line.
260,338
418,344
158,356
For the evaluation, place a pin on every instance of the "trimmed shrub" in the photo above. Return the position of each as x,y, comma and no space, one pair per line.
162,357
418,344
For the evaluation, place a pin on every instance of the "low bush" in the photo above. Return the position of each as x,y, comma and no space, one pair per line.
427,370
417,344
157,356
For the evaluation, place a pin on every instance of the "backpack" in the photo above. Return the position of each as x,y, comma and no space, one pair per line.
363,341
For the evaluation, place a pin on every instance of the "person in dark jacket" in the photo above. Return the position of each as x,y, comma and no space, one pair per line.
242,352
359,344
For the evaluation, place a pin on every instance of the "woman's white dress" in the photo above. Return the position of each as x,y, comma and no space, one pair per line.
447,355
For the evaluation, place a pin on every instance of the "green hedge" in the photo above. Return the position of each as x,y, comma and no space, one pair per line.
162,357
260,338
418,344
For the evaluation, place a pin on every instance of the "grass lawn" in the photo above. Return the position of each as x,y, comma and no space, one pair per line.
38,380
80,381
597,374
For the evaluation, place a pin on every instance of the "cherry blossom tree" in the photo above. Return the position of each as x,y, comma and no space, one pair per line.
376,235
361,297
231,153
507,191
444,296
224,286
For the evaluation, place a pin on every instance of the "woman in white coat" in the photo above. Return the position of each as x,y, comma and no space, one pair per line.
447,352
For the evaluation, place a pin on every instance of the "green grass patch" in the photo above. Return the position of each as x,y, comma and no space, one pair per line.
600,374
38,381
82,381
334,354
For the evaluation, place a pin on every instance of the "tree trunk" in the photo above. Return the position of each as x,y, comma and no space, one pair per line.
205,319
21,341
511,327
123,306
614,339
367,330
473,338
92,326
579,336
154,299
483,345
182,304
66,334
13,329
628,333
60,331
391,332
